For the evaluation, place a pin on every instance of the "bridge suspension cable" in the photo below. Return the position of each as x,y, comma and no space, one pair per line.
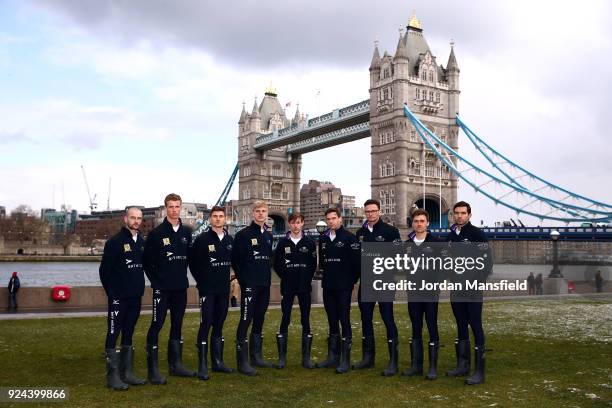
532,182
220,201
510,193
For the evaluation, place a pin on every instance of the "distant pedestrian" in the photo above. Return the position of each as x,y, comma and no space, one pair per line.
538,284
235,291
599,281
13,288
531,284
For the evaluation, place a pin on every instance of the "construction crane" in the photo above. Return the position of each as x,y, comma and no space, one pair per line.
109,191
92,202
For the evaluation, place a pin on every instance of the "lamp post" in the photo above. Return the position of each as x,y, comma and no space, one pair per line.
555,272
321,226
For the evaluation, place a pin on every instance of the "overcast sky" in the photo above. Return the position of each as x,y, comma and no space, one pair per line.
148,92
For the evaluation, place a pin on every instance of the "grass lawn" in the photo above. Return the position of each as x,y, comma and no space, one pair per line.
543,354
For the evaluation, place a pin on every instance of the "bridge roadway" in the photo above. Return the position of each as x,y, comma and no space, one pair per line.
336,127
581,234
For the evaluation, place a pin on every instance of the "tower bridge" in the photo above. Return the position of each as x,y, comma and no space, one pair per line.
411,118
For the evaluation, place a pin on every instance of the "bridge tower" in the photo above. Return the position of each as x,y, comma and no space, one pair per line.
405,172
271,175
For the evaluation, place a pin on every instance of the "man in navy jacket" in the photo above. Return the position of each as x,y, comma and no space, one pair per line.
165,262
340,261
122,277
295,261
251,258
375,230
467,310
209,263
423,303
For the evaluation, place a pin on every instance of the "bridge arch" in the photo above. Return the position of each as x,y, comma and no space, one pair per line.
431,203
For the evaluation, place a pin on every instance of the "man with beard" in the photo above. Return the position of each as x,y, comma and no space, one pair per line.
122,277
467,309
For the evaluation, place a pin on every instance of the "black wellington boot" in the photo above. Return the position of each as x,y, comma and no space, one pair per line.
432,374
175,359
345,356
242,358
281,343
113,380
202,360
333,352
391,369
416,358
479,361
255,351
126,367
216,355
306,347
462,351
152,368
368,352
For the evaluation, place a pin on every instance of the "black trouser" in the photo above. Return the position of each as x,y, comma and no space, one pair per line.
416,310
176,301
122,317
254,302
12,301
337,305
286,306
213,311
469,313
367,314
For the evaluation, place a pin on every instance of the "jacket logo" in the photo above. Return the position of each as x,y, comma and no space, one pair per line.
213,259
126,248
211,248
287,261
128,261
340,244
169,254
380,238
287,250
355,245
255,253
166,241
184,240
229,247
115,302
303,250
253,241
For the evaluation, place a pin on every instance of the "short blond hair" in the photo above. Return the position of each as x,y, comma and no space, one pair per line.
259,204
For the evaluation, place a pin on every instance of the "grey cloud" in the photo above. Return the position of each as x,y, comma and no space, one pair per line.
7,137
83,141
268,33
